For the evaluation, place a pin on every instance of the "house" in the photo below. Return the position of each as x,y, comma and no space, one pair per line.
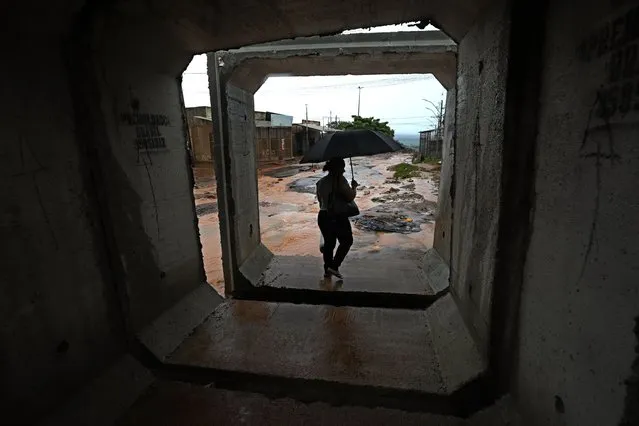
430,143
273,136
200,125
307,133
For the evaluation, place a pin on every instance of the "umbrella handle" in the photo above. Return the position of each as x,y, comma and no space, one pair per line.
352,174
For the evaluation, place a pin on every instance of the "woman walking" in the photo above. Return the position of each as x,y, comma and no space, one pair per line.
334,194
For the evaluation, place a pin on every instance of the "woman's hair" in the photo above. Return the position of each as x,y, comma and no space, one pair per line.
335,165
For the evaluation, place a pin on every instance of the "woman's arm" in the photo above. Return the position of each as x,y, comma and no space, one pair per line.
347,192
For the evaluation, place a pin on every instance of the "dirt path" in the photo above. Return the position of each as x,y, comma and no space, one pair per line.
288,212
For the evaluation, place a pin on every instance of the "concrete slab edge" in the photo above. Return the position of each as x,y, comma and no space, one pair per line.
313,390
107,398
338,298
165,334
256,264
459,358
503,412
436,271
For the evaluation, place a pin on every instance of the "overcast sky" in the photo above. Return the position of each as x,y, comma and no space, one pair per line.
397,99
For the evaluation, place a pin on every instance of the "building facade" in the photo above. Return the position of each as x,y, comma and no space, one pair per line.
200,133
273,136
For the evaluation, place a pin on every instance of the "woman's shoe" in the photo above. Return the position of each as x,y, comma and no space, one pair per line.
334,272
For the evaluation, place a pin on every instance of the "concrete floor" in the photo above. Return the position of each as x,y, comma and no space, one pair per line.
377,347
385,275
173,404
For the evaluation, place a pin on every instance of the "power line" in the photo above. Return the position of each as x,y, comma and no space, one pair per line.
354,85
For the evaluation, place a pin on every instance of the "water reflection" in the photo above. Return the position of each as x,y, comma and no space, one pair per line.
342,351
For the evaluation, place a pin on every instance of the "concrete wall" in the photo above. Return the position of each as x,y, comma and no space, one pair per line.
148,188
101,232
59,316
443,223
580,296
243,165
481,80
235,155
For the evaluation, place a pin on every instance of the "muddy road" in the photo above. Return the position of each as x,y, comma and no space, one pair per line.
397,215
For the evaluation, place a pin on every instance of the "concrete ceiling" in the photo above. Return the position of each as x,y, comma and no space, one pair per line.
214,25
254,72
208,25
358,54
38,16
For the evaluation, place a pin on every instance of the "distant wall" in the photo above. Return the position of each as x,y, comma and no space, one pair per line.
59,315
581,294
201,135
481,81
430,144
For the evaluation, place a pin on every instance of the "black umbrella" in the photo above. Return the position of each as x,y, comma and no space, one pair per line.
350,143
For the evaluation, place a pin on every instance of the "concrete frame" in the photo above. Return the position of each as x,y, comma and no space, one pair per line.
234,77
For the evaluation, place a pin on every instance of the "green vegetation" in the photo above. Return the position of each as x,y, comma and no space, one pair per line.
405,171
418,159
363,123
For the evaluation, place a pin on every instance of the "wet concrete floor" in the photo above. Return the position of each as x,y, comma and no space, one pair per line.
389,348
382,275
363,346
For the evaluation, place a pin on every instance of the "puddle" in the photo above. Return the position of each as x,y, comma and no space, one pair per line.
305,185
206,208
397,216
400,224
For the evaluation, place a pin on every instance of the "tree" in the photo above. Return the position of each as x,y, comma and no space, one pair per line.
364,123
438,112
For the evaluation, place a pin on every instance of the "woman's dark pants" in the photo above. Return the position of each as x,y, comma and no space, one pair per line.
334,229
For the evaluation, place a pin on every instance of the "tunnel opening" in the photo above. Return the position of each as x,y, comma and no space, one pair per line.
397,196
288,326
255,145
388,225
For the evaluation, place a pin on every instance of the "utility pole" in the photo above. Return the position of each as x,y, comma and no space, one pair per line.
359,98
306,145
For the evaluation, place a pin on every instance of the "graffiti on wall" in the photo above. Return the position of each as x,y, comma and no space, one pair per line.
147,129
617,43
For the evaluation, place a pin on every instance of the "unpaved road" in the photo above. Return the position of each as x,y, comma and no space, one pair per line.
288,212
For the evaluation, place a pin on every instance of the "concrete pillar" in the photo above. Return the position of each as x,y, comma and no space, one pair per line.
443,224
234,149
481,93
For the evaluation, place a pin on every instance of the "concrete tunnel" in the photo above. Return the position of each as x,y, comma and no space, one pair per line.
235,77
102,274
